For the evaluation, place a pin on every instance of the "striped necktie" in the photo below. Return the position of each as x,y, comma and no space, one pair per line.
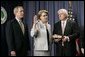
22,26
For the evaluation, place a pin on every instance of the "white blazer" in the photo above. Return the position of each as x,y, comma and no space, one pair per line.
40,42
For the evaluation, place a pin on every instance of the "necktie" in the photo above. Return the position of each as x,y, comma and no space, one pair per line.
22,26
63,27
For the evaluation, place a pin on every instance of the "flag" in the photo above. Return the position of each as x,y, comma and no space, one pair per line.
70,12
71,17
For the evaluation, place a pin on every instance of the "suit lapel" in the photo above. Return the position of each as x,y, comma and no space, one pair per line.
60,28
66,28
17,26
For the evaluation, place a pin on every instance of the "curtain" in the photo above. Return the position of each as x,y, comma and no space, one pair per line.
32,8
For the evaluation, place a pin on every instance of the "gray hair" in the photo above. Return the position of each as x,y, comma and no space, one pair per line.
16,9
63,11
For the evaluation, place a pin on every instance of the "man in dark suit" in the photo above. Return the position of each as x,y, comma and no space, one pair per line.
17,34
64,34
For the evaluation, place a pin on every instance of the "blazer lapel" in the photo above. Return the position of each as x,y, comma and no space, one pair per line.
16,24
66,27
60,28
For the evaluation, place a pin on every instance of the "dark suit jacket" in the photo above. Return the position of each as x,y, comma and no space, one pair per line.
72,31
16,40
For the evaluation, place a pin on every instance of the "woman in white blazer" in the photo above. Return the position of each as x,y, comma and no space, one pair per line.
41,32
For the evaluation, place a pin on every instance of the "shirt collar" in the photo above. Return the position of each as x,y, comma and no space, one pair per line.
64,20
18,19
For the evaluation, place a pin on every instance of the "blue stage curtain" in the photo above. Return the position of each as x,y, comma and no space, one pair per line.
32,8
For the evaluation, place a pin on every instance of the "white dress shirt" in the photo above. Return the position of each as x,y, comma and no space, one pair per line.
63,25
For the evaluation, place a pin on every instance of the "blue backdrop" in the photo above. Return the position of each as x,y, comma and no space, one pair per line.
32,8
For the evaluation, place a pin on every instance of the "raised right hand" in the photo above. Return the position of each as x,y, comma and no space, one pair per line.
35,19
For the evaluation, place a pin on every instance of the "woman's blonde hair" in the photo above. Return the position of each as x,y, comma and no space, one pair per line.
40,12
